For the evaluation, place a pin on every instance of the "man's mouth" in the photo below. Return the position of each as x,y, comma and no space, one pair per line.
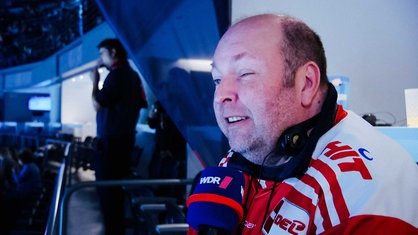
235,119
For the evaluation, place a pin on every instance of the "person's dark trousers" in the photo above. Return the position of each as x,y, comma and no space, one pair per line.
113,163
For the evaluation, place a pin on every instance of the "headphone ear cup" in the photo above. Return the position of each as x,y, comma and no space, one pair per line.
292,141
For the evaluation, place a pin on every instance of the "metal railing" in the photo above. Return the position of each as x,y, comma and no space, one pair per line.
64,189
59,186
63,207
53,211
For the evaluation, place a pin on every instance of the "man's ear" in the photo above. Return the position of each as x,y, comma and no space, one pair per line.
312,78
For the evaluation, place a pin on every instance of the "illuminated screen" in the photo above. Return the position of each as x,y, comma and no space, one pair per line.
39,103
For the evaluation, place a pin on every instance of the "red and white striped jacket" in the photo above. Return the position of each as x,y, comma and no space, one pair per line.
359,181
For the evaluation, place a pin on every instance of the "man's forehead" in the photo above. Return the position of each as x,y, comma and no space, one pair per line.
234,58
254,30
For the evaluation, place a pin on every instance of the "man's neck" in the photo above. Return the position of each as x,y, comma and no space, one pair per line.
118,63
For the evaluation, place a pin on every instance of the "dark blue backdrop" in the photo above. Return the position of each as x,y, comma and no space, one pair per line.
157,33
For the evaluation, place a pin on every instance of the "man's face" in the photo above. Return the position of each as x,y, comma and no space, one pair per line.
106,57
251,106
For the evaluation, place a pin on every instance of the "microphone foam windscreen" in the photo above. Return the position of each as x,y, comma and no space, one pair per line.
217,199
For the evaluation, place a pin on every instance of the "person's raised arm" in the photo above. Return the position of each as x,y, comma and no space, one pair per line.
95,77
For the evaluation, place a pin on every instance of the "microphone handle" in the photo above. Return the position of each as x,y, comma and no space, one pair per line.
209,230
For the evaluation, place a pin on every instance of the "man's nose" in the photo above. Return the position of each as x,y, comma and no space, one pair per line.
226,91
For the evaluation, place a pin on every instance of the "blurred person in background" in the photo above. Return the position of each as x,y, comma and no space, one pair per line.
117,104
169,157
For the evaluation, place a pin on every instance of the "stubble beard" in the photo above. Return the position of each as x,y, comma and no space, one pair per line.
252,148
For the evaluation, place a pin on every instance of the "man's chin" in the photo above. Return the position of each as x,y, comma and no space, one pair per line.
239,147
241,142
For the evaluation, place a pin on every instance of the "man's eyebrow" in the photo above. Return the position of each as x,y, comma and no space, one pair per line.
234,58
213,67
239,56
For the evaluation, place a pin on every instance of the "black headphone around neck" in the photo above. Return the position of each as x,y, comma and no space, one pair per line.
294,138
293,142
